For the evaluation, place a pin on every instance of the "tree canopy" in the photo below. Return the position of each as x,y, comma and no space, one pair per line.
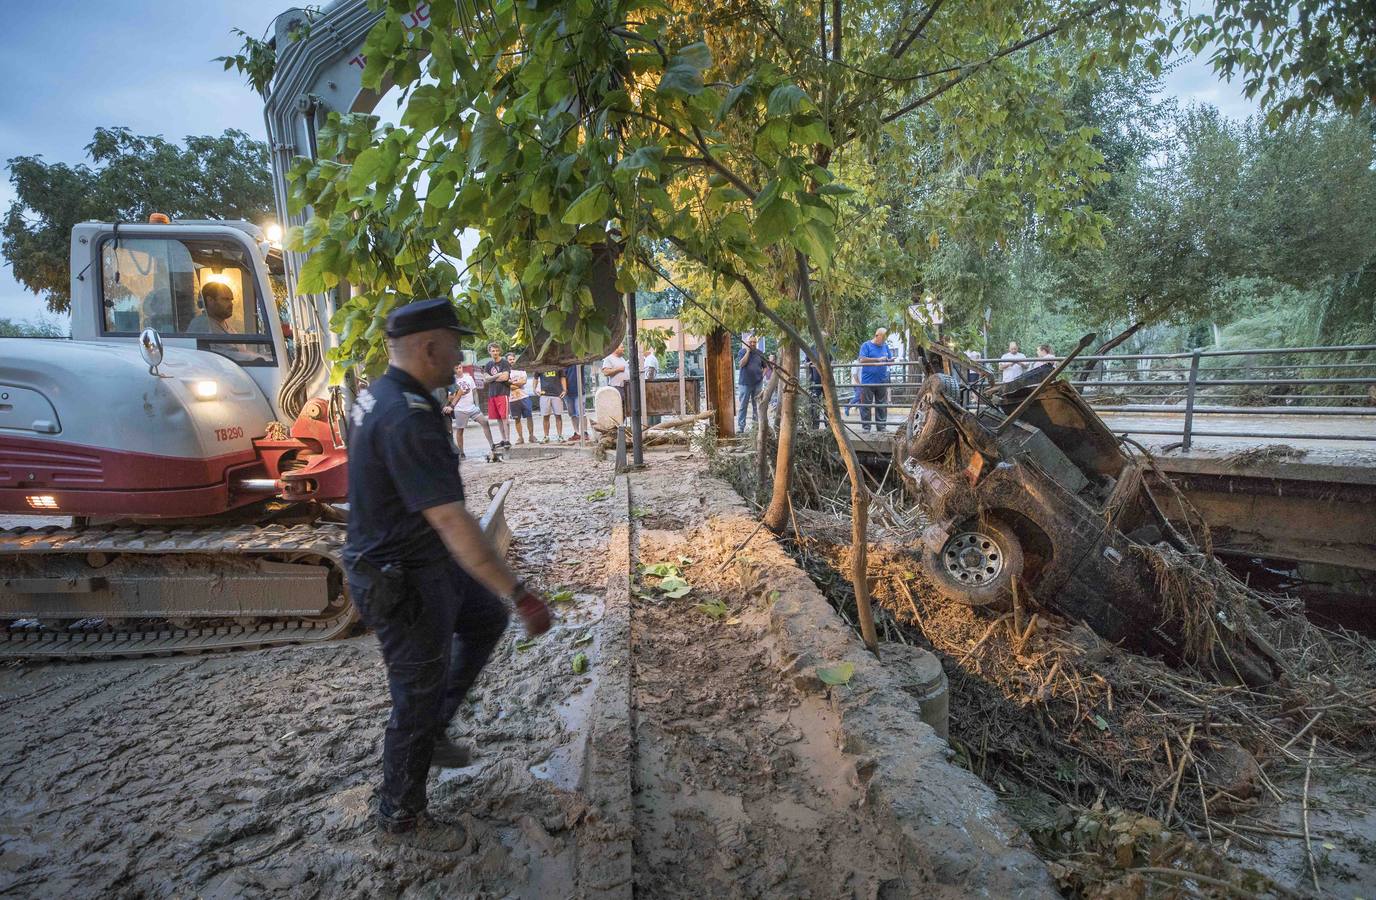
224,177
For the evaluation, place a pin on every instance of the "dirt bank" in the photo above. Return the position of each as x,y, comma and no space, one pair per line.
752,783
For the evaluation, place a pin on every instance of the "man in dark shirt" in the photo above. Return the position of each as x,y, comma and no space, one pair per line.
421,573
498,372
554,390
814,389
574,379
750,364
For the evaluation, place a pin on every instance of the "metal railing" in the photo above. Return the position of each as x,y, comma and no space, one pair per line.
1215,388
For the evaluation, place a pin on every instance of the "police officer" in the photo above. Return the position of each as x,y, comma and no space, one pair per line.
421,572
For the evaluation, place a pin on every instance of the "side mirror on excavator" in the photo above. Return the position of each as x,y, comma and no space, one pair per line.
150,348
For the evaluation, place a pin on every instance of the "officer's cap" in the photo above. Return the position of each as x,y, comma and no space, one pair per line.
424,315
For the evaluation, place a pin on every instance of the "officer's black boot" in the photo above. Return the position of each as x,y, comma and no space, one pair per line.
449,755
423,835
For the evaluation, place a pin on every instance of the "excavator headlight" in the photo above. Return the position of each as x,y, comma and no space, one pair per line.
205,390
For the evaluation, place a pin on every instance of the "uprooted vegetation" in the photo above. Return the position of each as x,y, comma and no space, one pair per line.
1134,777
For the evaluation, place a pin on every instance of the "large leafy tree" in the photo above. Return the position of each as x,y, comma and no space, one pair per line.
566,131
130,176
742,136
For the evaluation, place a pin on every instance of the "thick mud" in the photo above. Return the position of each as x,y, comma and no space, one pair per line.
253,773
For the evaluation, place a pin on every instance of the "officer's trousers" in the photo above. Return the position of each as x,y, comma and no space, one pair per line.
431,664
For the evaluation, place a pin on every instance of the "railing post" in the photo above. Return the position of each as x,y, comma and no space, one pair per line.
1187,437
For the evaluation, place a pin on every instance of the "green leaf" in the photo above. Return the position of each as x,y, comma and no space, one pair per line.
817,240
714,608
366,169
775,220
487,136
1101,723
590,206
675,587
734,96
523,646
438,199
600,494
660,570
698,55
644,158
680,81
580,662
315,274
841,673
835,189
562,596
786,100
425,110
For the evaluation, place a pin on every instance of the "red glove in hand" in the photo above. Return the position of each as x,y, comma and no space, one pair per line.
534,614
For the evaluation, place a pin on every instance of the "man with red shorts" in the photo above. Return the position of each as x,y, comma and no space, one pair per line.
498,372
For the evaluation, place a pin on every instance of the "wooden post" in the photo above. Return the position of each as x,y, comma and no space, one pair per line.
721,382
682,383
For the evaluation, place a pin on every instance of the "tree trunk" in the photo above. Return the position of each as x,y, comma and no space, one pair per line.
762,436
776,516
859,495
720,382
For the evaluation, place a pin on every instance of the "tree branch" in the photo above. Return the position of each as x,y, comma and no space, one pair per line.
898,49
756,299
971,68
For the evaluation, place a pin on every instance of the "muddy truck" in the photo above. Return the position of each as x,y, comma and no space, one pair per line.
1024,488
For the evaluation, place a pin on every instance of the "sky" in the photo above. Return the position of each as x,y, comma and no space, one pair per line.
74,65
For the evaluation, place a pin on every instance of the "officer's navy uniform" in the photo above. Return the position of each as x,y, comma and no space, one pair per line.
439,627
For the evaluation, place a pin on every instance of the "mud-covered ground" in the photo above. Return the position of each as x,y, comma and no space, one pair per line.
253,772
740,787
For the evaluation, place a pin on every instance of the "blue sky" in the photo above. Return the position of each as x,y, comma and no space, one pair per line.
71,66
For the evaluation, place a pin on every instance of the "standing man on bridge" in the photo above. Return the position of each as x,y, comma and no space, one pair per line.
421,572
874,380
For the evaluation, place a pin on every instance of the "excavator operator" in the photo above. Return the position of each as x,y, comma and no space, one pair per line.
421,572
217,299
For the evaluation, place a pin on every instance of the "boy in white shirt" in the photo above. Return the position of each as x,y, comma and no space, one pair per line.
462,405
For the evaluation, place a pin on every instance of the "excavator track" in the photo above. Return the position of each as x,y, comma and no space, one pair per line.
144,590
56,602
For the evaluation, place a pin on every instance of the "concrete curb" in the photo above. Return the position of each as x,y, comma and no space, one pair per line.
957,839
548,451
606,855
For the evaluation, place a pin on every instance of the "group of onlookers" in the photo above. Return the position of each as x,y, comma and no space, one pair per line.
1014,364
510,396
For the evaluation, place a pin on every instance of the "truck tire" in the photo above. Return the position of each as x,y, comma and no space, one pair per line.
977,564
927,434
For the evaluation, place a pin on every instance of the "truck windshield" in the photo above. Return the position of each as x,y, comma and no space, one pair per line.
202,289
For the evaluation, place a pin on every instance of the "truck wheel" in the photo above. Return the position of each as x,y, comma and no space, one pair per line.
927,434
977,564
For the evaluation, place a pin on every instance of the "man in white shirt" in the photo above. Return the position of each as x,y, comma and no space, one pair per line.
617,372
462,404
649,365
615,368
1011,363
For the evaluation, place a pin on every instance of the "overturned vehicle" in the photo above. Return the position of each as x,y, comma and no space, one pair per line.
1025,489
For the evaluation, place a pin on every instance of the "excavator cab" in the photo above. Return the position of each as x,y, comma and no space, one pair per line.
202,286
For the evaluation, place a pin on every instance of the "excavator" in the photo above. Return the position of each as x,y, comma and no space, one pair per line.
188,429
